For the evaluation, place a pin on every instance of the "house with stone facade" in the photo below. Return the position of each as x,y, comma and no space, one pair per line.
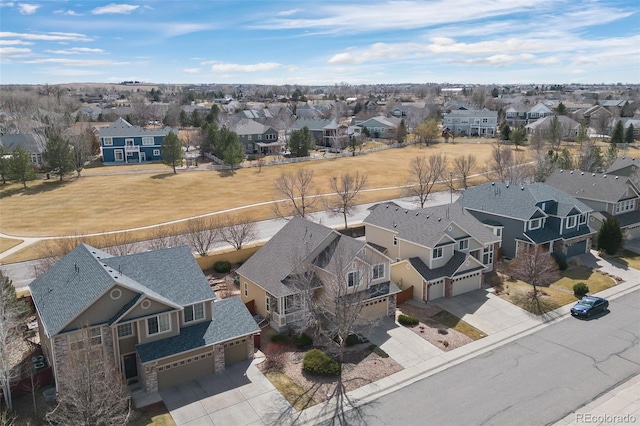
440,251
305,263
535,215
153,315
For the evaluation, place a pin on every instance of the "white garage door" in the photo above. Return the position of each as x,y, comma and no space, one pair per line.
466,284
632,232
436,290
184,370
375,308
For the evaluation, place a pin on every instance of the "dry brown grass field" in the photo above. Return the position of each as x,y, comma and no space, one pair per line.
94,204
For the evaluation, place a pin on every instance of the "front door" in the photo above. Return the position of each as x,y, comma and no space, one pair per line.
130,366
143,157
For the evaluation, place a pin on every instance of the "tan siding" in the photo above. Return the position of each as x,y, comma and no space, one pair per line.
375,309
255,293
175,358
137,311
383,238
463,285
472,264
175,330
409,250
128,344
102,309
407,277
456,232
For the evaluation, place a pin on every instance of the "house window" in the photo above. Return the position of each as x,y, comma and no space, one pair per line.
353,278
267,304
194,312
156,152
147,140
128,143
485,120
463,245
582,219
246,290
499,232
487,255
107,141
571,222
378,271
76,340
535,224
118,155
437,252
125,330
249,137
395,240
259,137
625,206
158,324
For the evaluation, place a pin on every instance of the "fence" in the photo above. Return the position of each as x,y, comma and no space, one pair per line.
230,255
404,295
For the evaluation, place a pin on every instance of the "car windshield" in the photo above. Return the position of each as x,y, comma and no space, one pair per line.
588,302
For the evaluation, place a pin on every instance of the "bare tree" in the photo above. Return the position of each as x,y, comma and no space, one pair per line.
163,237
590,157
91,390
555,131
424,173
202,233
537,141
463,167
238,230
299,192
83,145
535,266
51,251
500,161
11,318
118,243
346,188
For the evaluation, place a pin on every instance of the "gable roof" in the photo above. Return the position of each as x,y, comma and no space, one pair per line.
427,226
380,120
518,202
122,128
278,258
311,124
540,108
623,162
449,269
73,284
545,122
247,126
472,113
32,143
592,186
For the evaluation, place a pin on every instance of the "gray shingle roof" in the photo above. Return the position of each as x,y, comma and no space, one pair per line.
623,162
31,143
247,126
339,253
592,186
270,265
230,320
518,202
171,276
311,124
427,226
448,270
122,128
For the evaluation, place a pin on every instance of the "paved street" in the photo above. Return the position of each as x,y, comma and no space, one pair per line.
535,380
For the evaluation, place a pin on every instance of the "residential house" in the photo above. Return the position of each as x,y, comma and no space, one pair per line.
327,133
608,195
33,143
380,126
517,116
472,122
153,314
569,127
270,279
534,215
440,251
124,143
624,166
257,138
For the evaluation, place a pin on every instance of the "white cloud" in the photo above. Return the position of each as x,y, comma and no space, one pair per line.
177,29
52,36
15,52
263,66
288,12
75,51
67,12
114,8
75,62
6,4
28,9
191,70
14,43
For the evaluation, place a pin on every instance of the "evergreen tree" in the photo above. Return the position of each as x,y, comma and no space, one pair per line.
628,134
617,136
171,151
196,120
58,156
610,236
5,165
184,119
401,132
233,153
517,135
20,166
300,142
561,109
505,131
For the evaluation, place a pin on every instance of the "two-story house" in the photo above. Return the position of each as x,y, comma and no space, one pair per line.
257,138
534,215
472,122
380,126
568,127
33,143
624,166
124,143
440,251
305,262
517,115
327,133
608,195
152,314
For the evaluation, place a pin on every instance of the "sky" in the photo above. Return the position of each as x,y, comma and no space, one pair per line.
320,42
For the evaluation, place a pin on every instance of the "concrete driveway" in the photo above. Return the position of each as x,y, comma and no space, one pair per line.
484,310
241,395
633,245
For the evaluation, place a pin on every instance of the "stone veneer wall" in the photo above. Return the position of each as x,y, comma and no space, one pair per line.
150,377
218,358
391,306
250,347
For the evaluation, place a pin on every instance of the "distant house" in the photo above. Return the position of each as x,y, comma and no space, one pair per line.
124,143
256,137
608,195
152,314
380,126
517,116
534,215
440,251
624,166
481,123
33,143
569,127
327,133
269,278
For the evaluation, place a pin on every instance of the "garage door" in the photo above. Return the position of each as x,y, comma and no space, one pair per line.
235,351
632,233
577,248
375,308
184,370
464,285
436,290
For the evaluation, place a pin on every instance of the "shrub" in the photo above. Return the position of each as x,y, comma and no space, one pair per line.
353,339
222,266
610,236
275,357
318,363
302,340
280,339
407,320
561,260
378,351
443,331
580,289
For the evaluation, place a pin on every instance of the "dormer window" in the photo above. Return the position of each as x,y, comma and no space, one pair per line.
571,222
353,279
625,206
194,312
542,206
437,252
378,271
158,324
463,245
582,219
395,240
535,224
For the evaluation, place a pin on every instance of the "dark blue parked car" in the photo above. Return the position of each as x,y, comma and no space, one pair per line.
588,306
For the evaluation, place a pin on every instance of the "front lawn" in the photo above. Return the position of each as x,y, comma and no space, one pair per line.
520,294
595,280
626,258
450,320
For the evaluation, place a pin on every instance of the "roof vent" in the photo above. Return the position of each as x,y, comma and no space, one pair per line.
522,188
617,177
439,219
571,172
561,170
396,208
406,211
428,216
593,174
507,185
581,173
604,176
419,213
387,206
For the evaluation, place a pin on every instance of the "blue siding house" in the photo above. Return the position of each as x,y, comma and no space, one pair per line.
124,143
